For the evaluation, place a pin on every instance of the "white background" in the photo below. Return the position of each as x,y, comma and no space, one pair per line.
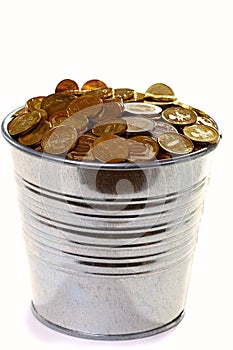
185,44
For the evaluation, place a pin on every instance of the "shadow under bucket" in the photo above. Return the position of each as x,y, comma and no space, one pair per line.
110,246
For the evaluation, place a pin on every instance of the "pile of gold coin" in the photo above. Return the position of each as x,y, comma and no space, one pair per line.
102,124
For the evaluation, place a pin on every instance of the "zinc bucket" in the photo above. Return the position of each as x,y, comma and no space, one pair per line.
110,246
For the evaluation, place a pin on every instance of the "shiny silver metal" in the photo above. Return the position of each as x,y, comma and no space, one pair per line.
110,246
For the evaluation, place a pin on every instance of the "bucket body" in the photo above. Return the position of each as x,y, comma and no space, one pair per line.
110,246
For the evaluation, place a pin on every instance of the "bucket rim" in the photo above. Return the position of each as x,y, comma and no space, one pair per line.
96,165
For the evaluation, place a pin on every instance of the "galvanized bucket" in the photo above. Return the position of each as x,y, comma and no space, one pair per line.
110,246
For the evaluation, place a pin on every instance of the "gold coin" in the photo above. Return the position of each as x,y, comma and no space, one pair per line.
110,127
110,111
146,140
142,148
161,103
161,128
175,143
83,149
102,93
34,137
137,125
34,103
56,102
202,117
93,84
184,105
77,121
85,143
160,89
73,155
137,97
24,123
77,93
160,98
59,140
201,133
20,111
143,109
138,151
66,85
57,120
124,93
113,99
179,116
206,120
101,118
111,149
91,105
160,94
44,114
59,114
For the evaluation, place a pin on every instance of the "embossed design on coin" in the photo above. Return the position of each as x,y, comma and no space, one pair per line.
184,105
161,128
57,120
201,133
91,105
77,121
56,102
58,114
110,127
34,137
206,120
175,143
138,125
110,110
146,140
59,140
142,148
111,149
179,115
24,123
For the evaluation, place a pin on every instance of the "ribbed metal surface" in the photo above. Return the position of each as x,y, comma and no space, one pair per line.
110,249
127,243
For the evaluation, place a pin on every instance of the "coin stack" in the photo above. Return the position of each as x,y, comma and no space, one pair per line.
98,123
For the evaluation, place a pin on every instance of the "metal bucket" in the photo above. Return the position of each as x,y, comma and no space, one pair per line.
110,246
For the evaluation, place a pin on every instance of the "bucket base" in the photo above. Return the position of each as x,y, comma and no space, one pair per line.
108,337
